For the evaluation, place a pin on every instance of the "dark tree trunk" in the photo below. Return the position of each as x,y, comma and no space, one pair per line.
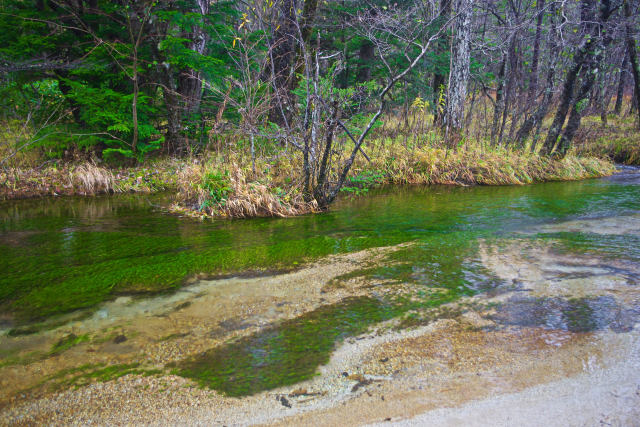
283,53
306,30
592,63
499,104
576,112
509,90
621,84
633,56
189,80
590,26
181,88
439,77
366,55
533,80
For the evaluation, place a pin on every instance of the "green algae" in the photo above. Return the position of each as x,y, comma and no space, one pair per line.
292,351
67,342
287,353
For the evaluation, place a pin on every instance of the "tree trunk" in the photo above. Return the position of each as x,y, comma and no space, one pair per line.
439,76
589,72
621,84
499,104
533,80
306,30
366,55
633,56
588,18
189,80
283,52
459,69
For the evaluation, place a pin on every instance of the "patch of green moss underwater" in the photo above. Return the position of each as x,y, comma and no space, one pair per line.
291,351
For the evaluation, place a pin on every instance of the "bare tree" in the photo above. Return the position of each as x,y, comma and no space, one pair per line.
633,55
459,69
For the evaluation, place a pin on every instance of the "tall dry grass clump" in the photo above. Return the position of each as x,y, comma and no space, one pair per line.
91,179
220,188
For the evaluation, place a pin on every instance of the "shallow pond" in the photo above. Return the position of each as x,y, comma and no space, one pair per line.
548,254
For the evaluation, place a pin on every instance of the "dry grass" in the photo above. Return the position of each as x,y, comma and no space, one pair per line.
86,178
92,179
477,166
260,196
227,184
619,140
274,190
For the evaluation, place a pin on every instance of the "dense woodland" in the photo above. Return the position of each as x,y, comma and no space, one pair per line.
125,81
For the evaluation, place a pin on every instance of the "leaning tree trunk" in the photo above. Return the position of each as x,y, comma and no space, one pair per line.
588,18
459,69
633,56
592,64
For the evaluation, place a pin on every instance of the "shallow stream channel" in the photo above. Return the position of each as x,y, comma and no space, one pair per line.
409,305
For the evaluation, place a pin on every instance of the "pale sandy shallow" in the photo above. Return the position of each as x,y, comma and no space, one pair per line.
609,397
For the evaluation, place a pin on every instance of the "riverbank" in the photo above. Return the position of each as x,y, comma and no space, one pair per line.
617,140
233,186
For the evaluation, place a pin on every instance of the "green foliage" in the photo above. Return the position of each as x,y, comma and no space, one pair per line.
108,113
361,183
217,187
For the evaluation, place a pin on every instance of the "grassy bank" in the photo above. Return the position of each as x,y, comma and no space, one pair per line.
214,189
88,179
618,140
230,185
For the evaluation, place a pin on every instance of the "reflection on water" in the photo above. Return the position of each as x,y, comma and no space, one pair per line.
568,314
101,247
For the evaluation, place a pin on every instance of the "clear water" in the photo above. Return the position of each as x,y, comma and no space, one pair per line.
61,255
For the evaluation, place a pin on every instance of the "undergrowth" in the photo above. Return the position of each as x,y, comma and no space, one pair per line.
230,183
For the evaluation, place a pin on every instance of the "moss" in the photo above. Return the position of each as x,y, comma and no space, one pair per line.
66,255
67,342
285,354
85,374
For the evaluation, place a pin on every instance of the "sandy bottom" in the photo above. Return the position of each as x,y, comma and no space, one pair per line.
609,397
557,344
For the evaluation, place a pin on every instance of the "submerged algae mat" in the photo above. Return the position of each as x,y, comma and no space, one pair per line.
61,256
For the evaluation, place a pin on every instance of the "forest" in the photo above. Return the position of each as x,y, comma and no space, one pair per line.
275,107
